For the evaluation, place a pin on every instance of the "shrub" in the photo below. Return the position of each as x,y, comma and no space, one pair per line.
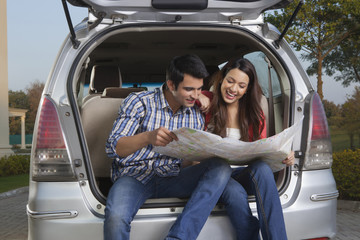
346,170
14,165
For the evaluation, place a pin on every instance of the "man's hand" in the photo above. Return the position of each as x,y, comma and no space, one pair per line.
161,137
290,160
158,137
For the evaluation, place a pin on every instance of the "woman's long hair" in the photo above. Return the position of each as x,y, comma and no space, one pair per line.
250,112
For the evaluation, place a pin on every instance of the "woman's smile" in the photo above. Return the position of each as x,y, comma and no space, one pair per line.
230,95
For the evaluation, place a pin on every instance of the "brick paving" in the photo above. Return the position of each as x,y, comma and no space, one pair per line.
13,220
348,225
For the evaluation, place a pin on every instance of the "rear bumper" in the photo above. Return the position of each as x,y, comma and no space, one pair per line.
313,213
309,212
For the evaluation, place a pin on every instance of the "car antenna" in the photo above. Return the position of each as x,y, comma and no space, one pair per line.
73,39
276,42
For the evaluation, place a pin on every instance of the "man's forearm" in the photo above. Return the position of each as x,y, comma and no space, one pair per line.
128,145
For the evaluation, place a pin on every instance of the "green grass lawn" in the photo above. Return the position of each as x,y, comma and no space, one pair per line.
13,182
340,140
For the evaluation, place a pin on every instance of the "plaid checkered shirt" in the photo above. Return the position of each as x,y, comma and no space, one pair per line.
147,111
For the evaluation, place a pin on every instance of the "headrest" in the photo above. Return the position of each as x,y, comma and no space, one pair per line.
113,92
103,76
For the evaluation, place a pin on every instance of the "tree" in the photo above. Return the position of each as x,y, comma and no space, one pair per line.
333,113
351,116
18,99
346,59
321,25
34,92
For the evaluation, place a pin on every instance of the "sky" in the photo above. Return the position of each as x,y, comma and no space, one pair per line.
37,29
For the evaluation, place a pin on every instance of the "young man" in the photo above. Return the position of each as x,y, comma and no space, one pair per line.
146,119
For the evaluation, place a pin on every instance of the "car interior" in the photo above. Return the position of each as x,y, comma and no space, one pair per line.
134,59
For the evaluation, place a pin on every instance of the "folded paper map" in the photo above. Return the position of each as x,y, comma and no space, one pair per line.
196,145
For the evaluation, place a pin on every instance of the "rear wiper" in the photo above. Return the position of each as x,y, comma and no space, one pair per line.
276,42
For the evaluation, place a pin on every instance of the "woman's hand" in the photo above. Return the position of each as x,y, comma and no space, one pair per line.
290,160
205,103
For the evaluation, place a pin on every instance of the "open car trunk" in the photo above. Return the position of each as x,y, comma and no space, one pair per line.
133,58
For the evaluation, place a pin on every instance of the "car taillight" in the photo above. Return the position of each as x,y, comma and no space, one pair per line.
319,151
50,159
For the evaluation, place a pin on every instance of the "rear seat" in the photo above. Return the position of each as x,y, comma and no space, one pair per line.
98,115
102,77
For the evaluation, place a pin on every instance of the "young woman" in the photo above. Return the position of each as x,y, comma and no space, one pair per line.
235,112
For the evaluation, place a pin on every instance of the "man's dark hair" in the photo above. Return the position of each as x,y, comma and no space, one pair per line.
189,64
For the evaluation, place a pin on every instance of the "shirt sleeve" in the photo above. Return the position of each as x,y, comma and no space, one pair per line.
207,116
208,94
126,124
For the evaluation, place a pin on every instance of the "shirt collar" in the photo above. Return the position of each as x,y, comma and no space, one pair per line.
160,98
163,103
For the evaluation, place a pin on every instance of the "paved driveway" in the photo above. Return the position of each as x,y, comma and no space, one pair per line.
13,221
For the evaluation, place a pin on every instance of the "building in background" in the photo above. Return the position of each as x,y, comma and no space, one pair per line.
16,112
5,148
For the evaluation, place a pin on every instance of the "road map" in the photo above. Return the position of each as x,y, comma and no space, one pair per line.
196,145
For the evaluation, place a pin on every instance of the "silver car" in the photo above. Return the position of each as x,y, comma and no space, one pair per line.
124,46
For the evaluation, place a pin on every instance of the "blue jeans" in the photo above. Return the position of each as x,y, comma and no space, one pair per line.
202,184
258,179
236,203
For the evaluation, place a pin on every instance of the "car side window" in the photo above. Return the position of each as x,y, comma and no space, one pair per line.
262,70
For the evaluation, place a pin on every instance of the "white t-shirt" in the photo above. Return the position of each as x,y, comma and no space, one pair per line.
233,133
